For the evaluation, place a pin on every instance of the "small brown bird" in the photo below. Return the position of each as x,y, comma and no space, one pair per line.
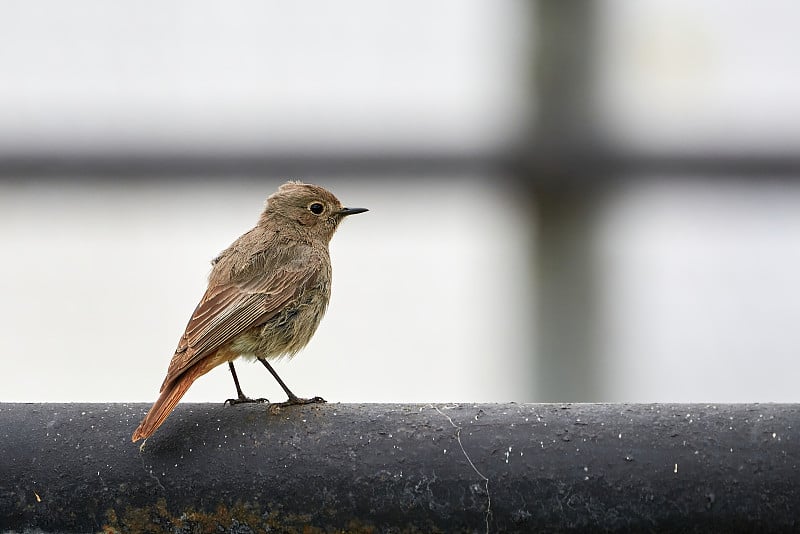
266,295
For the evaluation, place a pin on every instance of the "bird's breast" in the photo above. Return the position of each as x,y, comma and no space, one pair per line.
290,329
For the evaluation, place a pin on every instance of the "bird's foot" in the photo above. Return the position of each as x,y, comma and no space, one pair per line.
295,401
244,400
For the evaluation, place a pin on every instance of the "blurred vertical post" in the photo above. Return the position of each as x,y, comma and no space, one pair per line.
565,199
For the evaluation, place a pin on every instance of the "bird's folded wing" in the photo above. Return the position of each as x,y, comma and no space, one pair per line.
230,309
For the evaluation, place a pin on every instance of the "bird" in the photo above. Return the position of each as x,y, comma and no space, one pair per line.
267,293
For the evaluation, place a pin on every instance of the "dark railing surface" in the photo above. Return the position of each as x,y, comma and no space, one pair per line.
402,468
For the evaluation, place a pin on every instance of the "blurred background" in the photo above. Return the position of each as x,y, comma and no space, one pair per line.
569,201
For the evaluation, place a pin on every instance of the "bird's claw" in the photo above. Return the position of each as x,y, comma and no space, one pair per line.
244,400
295,401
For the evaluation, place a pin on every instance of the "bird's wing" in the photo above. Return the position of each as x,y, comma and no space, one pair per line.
251,298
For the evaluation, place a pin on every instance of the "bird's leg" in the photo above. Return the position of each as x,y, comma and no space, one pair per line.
293,399
242,397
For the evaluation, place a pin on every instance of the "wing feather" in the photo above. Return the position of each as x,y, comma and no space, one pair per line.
253,297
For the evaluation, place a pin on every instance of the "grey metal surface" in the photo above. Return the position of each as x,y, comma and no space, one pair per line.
402,468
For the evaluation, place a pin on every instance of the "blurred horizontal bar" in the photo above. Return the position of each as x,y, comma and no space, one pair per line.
284,164
402,468
543,164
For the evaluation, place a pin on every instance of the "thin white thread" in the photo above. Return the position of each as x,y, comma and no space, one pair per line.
463,450
149,471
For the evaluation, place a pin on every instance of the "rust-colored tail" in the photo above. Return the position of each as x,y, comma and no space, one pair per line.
170,395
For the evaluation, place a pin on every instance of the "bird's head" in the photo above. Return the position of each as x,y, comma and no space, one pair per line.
310,208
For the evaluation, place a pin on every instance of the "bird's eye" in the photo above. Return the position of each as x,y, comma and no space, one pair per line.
316,208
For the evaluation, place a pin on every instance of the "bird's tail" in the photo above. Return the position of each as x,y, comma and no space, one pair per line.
170,395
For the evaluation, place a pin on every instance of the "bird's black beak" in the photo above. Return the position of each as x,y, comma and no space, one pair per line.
351,211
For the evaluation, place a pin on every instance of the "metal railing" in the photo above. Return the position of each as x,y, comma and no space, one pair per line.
402,468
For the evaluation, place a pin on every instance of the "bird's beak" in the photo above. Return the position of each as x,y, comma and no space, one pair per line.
351,211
